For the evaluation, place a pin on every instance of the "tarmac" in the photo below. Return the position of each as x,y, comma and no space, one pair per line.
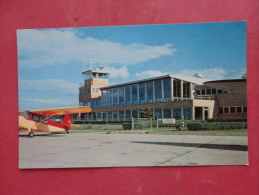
79,150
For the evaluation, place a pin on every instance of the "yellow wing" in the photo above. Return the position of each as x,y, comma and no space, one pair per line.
62,111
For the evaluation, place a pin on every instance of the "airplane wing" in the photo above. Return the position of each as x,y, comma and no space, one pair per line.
62,111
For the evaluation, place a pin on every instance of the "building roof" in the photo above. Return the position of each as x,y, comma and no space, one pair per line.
195,80
237,85
226,81
91,71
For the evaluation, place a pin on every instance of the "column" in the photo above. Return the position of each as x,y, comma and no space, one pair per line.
182,116
203,114
138,93
181,89
193,113
145,91
154,95
191,91
162,113
162,88
172,88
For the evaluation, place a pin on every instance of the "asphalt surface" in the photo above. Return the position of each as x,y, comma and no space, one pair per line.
126,150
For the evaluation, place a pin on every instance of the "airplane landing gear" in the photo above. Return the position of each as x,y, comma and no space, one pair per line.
67,132
31,134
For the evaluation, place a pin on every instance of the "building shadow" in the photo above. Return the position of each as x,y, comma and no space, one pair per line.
199,145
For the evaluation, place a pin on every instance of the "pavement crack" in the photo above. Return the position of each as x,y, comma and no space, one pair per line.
189,151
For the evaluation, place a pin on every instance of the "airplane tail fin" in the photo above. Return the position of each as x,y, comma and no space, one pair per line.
67,122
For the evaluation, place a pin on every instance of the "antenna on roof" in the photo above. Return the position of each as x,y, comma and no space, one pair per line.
91,61
84,67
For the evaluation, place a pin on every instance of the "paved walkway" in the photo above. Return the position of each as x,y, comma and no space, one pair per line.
124,150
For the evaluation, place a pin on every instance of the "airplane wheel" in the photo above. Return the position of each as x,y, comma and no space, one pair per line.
31,134
67,132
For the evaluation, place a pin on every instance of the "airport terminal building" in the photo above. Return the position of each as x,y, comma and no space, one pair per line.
168,96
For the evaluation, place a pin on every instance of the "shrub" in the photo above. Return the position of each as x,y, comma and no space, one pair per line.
127,126
227,120
216,126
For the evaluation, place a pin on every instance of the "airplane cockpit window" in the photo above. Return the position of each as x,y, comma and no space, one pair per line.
42,119
38,118
35,117
57,119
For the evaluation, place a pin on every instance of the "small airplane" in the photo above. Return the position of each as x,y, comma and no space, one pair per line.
49,120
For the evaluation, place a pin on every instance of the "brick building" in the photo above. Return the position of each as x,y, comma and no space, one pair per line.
167,96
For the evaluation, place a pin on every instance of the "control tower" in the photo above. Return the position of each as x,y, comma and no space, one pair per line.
94,79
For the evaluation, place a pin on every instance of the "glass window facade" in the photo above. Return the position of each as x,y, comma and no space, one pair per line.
186,90
187,113
115,96
143,92
167,113
115,115
158,113
104,98
92,104
110,93
150,90
167,88
90,116
110,115
134,93
177,88
121,115
158,89
128,94
121,95
135,113
128,114
177,113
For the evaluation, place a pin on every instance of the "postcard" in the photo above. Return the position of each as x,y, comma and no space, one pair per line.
140,95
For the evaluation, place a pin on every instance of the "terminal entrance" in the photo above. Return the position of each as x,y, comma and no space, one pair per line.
201,113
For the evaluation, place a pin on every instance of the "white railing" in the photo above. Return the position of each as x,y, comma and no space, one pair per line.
204,97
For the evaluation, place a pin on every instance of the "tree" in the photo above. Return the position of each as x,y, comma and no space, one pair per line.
147,113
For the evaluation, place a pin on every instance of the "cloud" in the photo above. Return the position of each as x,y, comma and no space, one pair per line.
47,93
37,48
212,73
39,103
56,85
150,73
118,73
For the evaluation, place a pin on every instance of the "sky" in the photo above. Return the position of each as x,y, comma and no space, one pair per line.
51,61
